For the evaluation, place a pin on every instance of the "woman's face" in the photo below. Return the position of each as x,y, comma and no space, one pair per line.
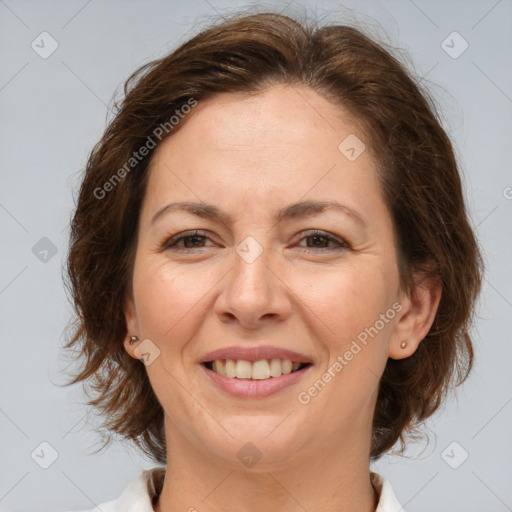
263,267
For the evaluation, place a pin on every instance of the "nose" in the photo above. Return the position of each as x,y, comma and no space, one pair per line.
253,294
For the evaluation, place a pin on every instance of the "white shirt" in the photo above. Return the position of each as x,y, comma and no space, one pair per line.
138,495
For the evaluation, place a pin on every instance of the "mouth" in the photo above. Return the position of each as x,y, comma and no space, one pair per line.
257,379
262,369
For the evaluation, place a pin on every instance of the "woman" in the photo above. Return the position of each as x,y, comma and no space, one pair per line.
273,224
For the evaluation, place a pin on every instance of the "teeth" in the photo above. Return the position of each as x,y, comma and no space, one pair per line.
218,366
257,370
260,369
243,369
275,368
230,368
286,366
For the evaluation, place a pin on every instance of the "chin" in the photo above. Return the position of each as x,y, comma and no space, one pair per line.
259,441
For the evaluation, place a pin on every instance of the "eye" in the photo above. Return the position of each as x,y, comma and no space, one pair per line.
319,240
191,240
315,240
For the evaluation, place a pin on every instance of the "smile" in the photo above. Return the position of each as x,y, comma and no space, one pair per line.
258,379
262,369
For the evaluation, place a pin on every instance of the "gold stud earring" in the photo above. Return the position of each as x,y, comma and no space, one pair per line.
403,344
133,339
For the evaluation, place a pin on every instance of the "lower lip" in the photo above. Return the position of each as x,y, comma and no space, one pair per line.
254,388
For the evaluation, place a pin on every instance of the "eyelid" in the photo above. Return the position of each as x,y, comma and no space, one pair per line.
171,242
167,241
331,238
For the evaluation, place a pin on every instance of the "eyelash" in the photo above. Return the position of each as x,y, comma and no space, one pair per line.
171,243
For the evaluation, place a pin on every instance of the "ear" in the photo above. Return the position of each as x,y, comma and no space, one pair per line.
418,311
132,325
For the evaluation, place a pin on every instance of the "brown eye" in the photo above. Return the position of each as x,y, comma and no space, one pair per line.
317,241
320,240
191,240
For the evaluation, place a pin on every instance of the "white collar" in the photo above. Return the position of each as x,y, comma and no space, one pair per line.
138,495
388,502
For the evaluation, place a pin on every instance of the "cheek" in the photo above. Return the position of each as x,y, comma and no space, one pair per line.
338,303
347,305
169,300
346,300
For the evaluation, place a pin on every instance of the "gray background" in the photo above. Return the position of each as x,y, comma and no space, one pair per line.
53,110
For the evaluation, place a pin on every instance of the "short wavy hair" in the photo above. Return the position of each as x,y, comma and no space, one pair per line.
416,166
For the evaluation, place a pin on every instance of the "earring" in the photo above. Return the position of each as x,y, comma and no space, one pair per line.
133,339
403,344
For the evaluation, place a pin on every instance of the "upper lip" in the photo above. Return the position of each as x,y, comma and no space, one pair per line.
255,354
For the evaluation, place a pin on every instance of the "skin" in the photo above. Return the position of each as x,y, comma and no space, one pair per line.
251,156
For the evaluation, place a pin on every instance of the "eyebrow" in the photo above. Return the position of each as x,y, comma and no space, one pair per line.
293,211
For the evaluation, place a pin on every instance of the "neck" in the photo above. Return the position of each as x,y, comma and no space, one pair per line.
336,482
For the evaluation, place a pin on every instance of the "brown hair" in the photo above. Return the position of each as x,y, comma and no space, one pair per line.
420,181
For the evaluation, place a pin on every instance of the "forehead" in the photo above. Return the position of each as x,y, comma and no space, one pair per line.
279,115
275,146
